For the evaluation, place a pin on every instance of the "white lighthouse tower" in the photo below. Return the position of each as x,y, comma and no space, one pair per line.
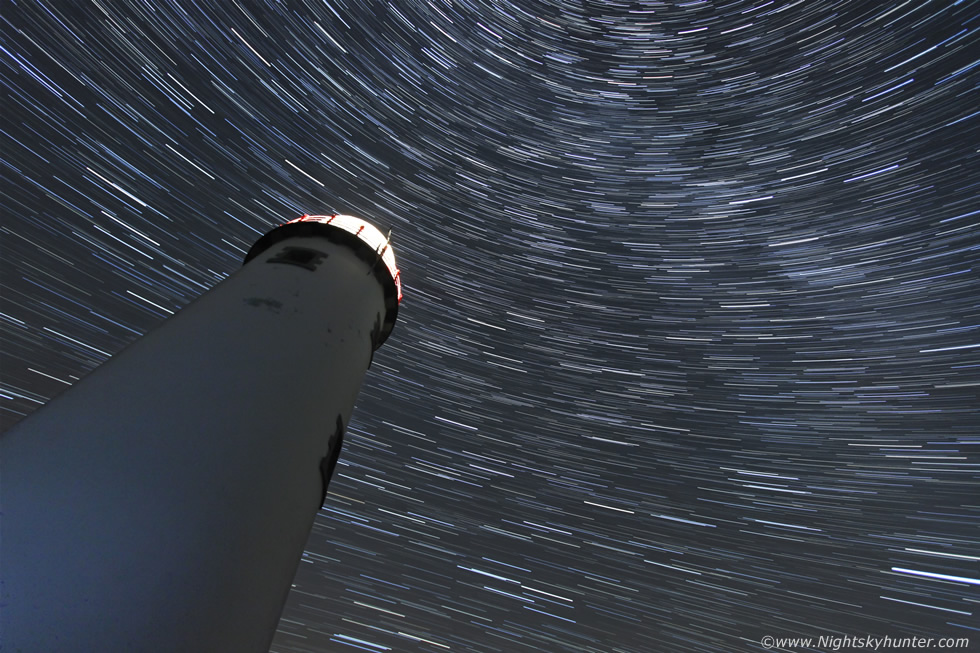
163,502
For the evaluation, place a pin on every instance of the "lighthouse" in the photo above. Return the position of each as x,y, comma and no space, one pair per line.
162,503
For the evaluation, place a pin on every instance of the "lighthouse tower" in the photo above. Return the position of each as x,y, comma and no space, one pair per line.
162,503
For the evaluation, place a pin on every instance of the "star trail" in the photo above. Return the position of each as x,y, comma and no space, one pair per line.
690,347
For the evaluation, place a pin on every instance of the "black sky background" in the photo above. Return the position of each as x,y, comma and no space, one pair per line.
688,353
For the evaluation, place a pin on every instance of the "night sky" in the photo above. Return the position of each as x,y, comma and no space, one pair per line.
689,349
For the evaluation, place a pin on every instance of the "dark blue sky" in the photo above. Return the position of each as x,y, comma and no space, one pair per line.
689,347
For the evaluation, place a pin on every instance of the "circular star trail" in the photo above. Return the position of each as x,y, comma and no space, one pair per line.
689,348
